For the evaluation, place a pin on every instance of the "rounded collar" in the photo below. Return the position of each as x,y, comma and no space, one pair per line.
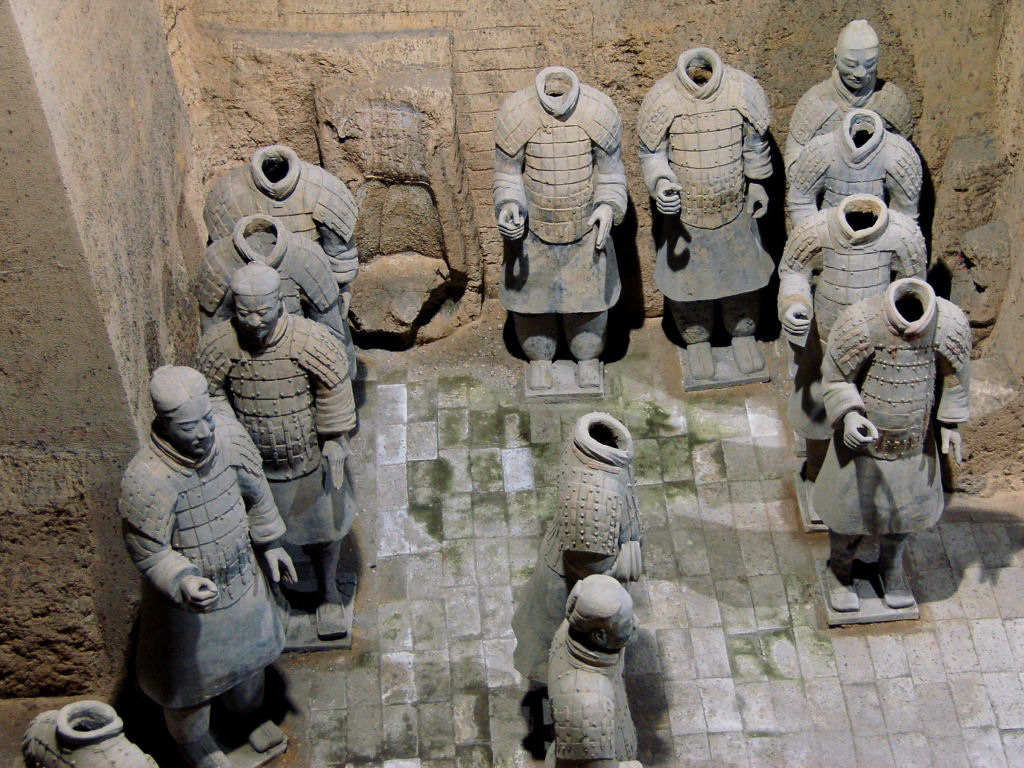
259,222
860,202
707,58
87,722
283,187
860,155
909,286
619,454
558,105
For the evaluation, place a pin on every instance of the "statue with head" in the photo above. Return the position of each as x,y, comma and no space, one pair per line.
853,84
286,378
593,727
196,510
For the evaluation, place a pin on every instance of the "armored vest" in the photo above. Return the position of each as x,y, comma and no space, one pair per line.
854,264
83,734
557,135
834,167
713,133
598,510
893,360
306,278
588,703
277,183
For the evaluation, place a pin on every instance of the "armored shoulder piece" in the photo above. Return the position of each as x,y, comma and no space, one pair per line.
584,718
811,112
813,162
318,351
893,105
850,342
908,243
952,333
599,118
805,242
148,494
658,110
217,351
229,199
752,101
244,454
518,119
904,167
220,261
335,207
311,269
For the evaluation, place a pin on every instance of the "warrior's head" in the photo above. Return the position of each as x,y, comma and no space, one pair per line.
183,414
856,56
258,307
600,613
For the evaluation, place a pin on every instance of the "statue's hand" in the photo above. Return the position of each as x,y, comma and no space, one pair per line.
796,320
666,197
336,452
757,201
602,219
198,593
858,432
629,564
949,437
280,564
511,221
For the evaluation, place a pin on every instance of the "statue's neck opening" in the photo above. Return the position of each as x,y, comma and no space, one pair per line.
605,435
275,168
699,72
861,220
557,84
910,307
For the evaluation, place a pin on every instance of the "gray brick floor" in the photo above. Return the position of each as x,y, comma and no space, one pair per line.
733,664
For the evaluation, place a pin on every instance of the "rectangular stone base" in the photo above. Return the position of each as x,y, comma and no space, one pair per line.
563,382
726,372
873,609
299,614
808,517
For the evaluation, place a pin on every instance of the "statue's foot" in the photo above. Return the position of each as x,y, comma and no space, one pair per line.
588,374
895,588
204,753
748,357
266,736
540,374
842,595
330,621
698,356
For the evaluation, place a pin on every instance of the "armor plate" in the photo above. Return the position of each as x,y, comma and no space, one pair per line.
558,179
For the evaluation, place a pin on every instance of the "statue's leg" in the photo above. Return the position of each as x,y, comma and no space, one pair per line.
190,729
842,594
538,336
895,587
586,332
740,314
694,321
245,697
330,614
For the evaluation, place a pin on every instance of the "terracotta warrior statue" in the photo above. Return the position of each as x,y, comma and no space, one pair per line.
703,153
307,201
835,258
83,734
198,516
858,156
854,83
559,185
308,287
593,727
286,378
887,357
596,529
